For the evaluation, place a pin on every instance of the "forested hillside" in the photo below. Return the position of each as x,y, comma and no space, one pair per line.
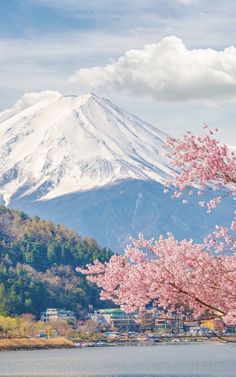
37,265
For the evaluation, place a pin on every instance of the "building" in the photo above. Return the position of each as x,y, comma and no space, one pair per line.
163,327
147,322
151,320
115,318
54,314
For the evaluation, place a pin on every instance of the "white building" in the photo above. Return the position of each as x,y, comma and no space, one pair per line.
54,314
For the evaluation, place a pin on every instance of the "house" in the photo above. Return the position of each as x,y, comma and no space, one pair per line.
55,314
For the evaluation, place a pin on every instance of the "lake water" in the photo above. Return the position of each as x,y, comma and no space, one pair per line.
195,360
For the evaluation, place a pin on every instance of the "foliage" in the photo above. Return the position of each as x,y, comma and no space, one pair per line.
37,265
26,326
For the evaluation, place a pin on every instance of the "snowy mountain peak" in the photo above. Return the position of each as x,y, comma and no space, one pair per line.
51,145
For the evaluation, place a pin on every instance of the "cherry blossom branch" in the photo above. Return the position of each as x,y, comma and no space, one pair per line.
180,273
202,162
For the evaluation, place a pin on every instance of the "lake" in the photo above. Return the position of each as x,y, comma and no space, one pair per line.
194,360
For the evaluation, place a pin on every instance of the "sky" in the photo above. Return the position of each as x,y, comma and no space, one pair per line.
172,62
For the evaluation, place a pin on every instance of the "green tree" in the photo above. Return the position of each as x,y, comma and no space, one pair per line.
3,301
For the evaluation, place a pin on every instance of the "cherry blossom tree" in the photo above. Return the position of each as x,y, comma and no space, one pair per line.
172,275
179,275
202,161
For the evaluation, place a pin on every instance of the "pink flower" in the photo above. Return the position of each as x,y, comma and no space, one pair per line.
202,161
233,225
173,274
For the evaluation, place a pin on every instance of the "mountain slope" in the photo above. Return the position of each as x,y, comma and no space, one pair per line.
84,162
113,213
63,144
37,265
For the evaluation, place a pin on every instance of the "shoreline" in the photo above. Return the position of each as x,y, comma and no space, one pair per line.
25,344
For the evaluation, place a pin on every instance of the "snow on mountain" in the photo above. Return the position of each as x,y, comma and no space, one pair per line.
54,145
86,163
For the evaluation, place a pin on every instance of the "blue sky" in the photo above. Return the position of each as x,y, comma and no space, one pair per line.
177,84
22,18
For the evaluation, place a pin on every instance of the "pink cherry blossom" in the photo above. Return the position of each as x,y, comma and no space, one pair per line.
171,274
203,162
178,275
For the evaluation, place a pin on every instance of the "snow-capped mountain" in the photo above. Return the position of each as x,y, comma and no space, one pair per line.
55,145
86,163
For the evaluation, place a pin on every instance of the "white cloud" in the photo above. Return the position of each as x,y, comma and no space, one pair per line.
26,101
167,71
187,2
